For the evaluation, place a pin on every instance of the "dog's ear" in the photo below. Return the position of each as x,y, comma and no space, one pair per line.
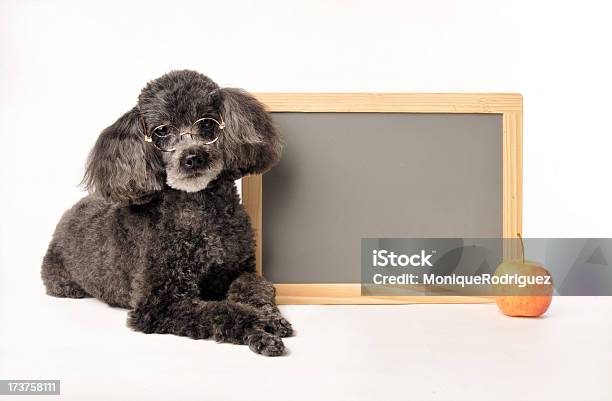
250,141
121,167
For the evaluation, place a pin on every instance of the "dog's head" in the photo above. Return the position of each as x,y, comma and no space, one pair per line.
185,131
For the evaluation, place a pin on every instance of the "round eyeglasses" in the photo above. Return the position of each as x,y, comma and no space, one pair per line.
166,136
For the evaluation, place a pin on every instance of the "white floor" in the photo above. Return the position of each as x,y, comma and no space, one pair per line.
410,352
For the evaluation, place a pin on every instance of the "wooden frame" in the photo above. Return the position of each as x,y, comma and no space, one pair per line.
510,106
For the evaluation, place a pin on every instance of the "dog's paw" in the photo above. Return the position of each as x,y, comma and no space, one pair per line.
266,344
280,326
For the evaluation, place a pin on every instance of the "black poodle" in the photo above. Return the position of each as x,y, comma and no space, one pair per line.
163,232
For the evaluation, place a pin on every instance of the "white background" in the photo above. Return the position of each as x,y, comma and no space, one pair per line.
69,69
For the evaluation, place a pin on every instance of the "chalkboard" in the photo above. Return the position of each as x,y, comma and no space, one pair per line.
390,172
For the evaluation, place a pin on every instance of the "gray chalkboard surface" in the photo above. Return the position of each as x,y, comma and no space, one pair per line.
347,176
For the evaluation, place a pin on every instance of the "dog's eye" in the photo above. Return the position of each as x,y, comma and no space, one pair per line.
161,131
207,128
207,125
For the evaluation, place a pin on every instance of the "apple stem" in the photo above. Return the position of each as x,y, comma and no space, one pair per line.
522,247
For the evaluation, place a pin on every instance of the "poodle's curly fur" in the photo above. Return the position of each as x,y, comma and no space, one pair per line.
169,242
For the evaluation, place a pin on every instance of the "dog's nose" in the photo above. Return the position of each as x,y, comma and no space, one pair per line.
193,161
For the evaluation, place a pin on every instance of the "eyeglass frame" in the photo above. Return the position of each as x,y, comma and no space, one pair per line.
148,136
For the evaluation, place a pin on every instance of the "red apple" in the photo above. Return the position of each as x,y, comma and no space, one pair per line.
530,300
